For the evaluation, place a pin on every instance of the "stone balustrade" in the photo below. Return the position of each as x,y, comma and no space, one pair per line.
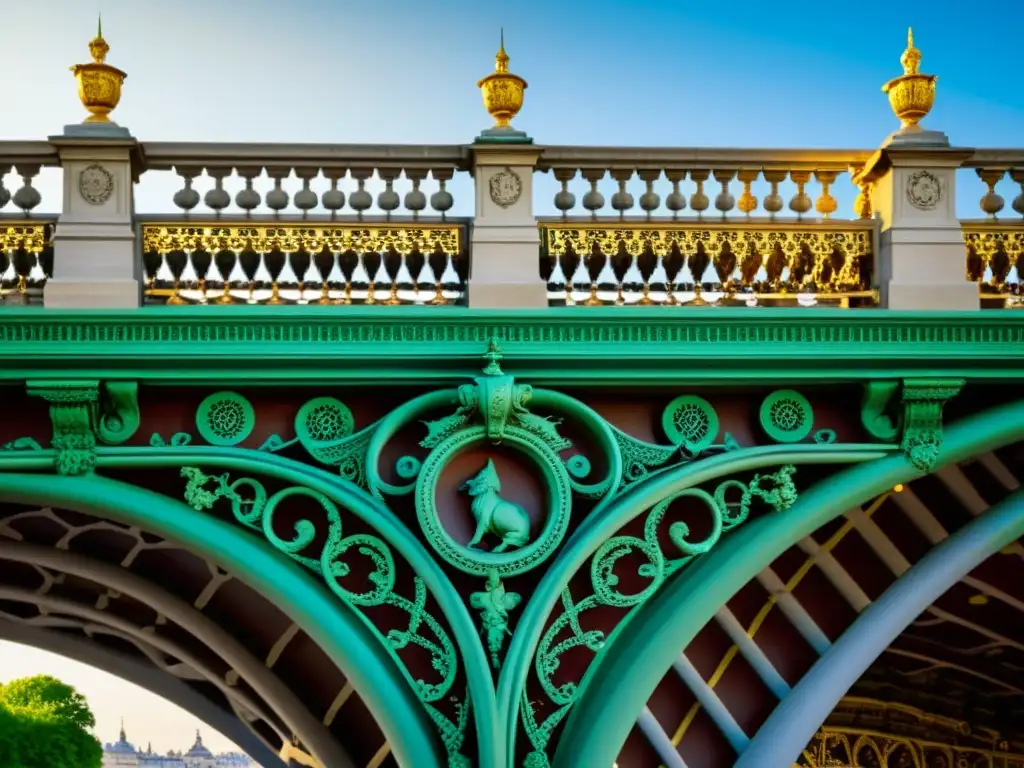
694,226
420,173
333,224
995,243
369,224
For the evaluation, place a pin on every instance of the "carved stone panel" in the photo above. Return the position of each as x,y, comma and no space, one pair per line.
95,184
506,187
924,190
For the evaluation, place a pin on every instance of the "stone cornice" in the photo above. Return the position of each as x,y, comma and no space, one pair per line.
600,346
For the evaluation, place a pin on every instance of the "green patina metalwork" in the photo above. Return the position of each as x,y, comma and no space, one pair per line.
776,490
79,418
494,603
649,643
922,419
252,507
902,410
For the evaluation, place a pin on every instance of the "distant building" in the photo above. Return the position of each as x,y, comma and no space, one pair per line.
123,754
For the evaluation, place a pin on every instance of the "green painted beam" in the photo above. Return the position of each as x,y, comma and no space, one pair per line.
601,346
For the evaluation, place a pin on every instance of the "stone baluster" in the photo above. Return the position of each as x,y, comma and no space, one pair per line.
724,201
565,200
442,201
773,201
593,201
388,200
649,200
862,205
277,198
699,201
992,202
676,200
361,200
333,199
248,199
748,202
217,199
415,200
1017,174
27,197
305,199
826,205
801,201
187,198
622,200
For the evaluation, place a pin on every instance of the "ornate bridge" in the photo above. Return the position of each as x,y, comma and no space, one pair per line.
502,526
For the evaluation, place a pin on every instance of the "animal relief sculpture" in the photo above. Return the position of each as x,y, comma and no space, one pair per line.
493,514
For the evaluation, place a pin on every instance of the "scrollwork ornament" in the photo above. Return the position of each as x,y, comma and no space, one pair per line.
729,506
95,184
924,190
254,508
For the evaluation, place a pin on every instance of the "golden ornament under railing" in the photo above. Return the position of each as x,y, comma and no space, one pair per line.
99,84
912,94
502,91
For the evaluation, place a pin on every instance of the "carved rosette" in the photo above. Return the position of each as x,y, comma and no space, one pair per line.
924,190
95,184
505,188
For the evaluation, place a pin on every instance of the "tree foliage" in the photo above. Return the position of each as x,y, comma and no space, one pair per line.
43,724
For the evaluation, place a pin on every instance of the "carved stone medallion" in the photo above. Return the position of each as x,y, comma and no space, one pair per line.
924,190
96,184
506,187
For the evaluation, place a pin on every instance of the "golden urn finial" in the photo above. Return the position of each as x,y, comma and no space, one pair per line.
99,84
911,95
502,91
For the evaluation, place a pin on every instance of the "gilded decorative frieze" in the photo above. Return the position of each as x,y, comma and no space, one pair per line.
851,243
34,238
287,238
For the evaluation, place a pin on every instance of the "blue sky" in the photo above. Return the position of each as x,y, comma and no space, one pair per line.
634,72
626,72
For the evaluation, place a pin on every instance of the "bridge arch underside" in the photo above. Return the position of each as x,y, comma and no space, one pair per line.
947,689
155,613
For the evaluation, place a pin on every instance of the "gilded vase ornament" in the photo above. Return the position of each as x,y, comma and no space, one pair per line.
502,91
912,94
99,84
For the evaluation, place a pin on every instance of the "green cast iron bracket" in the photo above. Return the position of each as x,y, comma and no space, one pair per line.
80,416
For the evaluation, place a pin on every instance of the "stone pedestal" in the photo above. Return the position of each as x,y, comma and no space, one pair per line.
505,242
922,258
95,263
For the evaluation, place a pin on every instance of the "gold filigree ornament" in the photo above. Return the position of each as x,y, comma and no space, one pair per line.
911,95
99,84
290,239
33,238
502,91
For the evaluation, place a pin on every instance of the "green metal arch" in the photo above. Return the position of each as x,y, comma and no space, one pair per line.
636,656
377,515
344,634
604,524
